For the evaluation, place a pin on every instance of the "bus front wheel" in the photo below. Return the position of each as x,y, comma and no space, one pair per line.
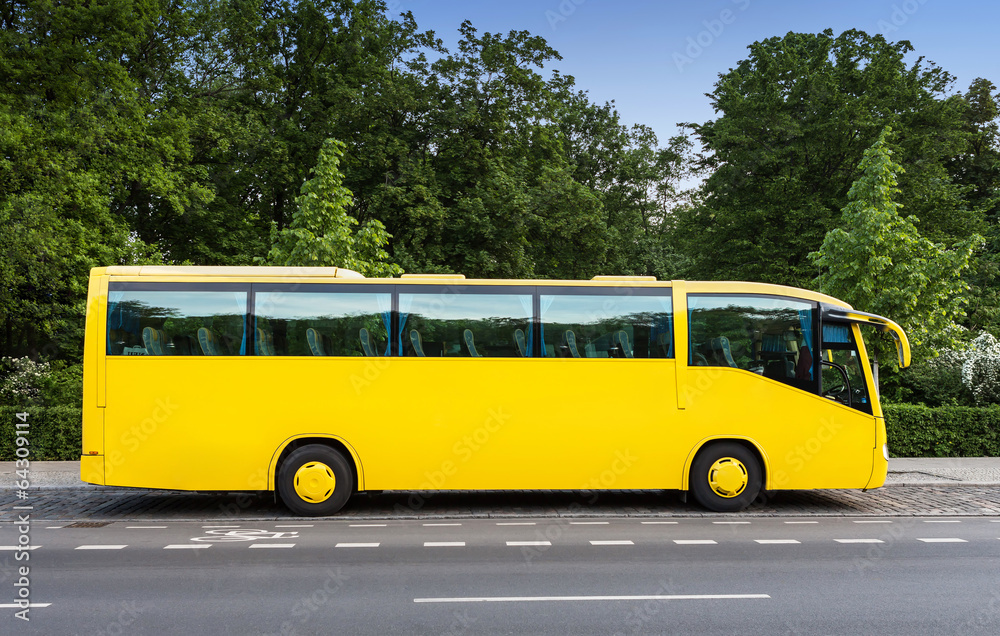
315,481
725,477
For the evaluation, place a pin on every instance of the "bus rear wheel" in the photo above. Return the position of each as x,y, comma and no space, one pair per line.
725,477
315,481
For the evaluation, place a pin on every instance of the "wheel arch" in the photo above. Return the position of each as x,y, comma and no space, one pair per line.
333,441
747,442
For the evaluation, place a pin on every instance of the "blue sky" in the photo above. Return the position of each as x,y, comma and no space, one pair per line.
658,59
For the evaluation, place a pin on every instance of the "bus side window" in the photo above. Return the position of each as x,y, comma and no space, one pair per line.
467,323
318,321
767,335
607,323
160,319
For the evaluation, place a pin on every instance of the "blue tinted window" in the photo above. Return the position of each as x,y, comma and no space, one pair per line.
612,325
177,322
465,323
292,323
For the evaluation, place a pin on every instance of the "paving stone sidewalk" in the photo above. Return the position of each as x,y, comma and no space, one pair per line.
915,487
113,504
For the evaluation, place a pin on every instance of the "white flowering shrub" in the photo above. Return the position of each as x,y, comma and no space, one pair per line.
22,380
981,369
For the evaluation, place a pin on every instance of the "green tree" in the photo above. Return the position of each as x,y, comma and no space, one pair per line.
794,119
879,262
321,234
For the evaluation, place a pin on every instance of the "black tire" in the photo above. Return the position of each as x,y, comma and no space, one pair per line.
325,461
731,457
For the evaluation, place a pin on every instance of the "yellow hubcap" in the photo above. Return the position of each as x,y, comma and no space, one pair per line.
728,477
314,482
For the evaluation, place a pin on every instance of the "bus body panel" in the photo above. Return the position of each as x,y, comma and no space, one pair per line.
414,423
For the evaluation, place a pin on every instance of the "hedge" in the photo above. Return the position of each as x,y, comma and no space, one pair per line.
944,431
914,431
53,432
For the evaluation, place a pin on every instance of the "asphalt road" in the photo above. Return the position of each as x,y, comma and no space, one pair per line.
806,575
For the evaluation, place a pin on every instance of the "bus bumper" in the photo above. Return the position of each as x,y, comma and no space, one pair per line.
92,469
880,467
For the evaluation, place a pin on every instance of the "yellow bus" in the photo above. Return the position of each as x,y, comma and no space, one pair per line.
317,383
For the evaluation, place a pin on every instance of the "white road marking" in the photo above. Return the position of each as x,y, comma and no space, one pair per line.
357,545
367,525
272,545
942,521
438,525
220,526
801,522
53,527
731,523
658,523
694,542
145,527
622,542
871,521
19,547
444,544
529,599
519,544
100,547
516,523
589,523
301,525
775,541
943,540
187,546
14,606
859,540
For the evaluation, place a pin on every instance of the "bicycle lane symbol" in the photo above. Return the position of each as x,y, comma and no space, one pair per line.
229,536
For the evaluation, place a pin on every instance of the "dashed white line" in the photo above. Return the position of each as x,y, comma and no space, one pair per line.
357,545
440,525
444,544
943,540
272,545
612,542
695,542
871,521
942,521
220,526
530,599
145,527
19,547
859,540
800,522
775,541
53,527
367,525
521,544
100,547
301,525
15,606
731,523
516,523
658,523
187,546
589,523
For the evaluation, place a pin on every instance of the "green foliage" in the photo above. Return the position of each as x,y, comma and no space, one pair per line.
54,436
320,234
879,262
795,117
950,431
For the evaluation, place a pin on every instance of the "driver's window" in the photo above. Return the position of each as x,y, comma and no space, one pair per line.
843,363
